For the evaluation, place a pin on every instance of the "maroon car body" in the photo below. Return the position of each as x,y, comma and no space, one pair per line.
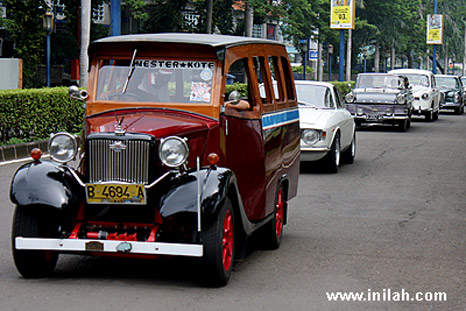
169,165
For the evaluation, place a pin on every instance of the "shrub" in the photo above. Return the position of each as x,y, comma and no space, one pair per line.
343,87
33,114
240,87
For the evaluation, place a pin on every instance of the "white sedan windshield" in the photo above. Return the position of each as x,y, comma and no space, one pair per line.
314,95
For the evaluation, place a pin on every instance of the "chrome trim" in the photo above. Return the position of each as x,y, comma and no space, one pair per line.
198,168
320,149
110,246
185,145
75,146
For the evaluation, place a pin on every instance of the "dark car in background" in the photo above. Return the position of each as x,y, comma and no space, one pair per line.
452,88
380,98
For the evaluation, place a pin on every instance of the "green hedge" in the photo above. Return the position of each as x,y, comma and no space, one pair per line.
240,87
32,114
343,87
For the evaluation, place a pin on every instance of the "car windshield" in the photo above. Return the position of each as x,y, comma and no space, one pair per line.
155,80
379,81
448,83
314,96
418,79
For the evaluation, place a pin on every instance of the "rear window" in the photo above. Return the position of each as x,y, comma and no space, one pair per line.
155,80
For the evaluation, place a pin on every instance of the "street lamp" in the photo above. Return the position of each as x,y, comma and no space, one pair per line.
364,54
48,21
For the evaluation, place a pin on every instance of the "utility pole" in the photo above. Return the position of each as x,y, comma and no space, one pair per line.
342,56
464,56
209,15
115,17
348,54
434,53
377,58
320,62
249,19
445,59
85,37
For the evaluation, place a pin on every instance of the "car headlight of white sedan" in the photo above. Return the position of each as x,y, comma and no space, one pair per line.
311,136
63,147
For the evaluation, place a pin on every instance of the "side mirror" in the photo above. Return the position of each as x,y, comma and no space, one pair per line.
234,95
76,93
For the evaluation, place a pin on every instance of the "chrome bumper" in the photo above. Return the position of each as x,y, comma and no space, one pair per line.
109,246
379,118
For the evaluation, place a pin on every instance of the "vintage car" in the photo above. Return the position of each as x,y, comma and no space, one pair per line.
453,91
380,98
170,163
427,96
327,128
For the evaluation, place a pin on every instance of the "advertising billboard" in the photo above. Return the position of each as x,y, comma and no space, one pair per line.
342,14
435,29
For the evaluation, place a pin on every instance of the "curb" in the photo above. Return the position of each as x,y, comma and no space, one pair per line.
21,151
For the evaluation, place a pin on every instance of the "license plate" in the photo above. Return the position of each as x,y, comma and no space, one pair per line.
115,194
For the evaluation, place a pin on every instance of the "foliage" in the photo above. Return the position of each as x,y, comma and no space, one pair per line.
343,87
35,113
300,69
240,87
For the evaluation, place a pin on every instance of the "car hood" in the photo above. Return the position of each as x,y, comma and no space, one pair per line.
418,90
159,123
314,117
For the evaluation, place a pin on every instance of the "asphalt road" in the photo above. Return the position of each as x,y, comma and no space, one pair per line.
395,219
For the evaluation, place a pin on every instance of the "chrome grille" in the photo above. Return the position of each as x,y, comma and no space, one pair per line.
129,165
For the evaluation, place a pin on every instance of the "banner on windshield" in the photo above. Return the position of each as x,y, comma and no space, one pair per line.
342,14
435,29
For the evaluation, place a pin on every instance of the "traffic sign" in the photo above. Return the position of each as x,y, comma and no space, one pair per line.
313,54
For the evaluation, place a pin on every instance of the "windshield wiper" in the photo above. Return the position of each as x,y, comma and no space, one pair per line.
130,72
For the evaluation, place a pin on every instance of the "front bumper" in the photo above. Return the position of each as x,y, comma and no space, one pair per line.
109,246
450,105
313,154
379,118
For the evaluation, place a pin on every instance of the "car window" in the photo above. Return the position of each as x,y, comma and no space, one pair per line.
448,82
418,79
337,97
287,75
314,96
259,68
238,73
155,80
277,81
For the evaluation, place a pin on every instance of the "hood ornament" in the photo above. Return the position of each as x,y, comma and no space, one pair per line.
119,131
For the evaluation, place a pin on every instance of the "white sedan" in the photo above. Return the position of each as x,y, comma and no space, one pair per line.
327,128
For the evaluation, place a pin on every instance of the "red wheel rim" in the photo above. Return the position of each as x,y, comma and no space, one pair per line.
279,214
227,240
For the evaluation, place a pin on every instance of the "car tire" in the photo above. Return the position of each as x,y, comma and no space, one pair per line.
273,231
435,116
29,222
333,157
219,246
349,154
429,116
403,125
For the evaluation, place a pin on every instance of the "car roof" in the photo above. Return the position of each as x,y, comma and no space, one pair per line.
307,82
412,71
376,74
447,76
215,41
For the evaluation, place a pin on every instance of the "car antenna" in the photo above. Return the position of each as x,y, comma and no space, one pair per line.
130,72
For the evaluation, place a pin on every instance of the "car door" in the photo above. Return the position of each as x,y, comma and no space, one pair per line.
435,93
345,122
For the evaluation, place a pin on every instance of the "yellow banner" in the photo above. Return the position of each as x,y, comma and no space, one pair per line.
341,15
435,35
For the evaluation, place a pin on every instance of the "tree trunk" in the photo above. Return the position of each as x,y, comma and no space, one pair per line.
348,55
321,63
85,37
248,20
392,58
410,60
445,59
377,58
209,15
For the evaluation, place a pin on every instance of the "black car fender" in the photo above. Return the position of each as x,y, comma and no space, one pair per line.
45,183
216,184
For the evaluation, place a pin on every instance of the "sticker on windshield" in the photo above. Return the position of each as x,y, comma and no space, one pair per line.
206,74
172,64
200,92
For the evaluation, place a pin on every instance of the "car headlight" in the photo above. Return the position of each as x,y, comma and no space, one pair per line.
63,147
310,137
349,98
400,99
425,96
360,110
457,97
173,151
